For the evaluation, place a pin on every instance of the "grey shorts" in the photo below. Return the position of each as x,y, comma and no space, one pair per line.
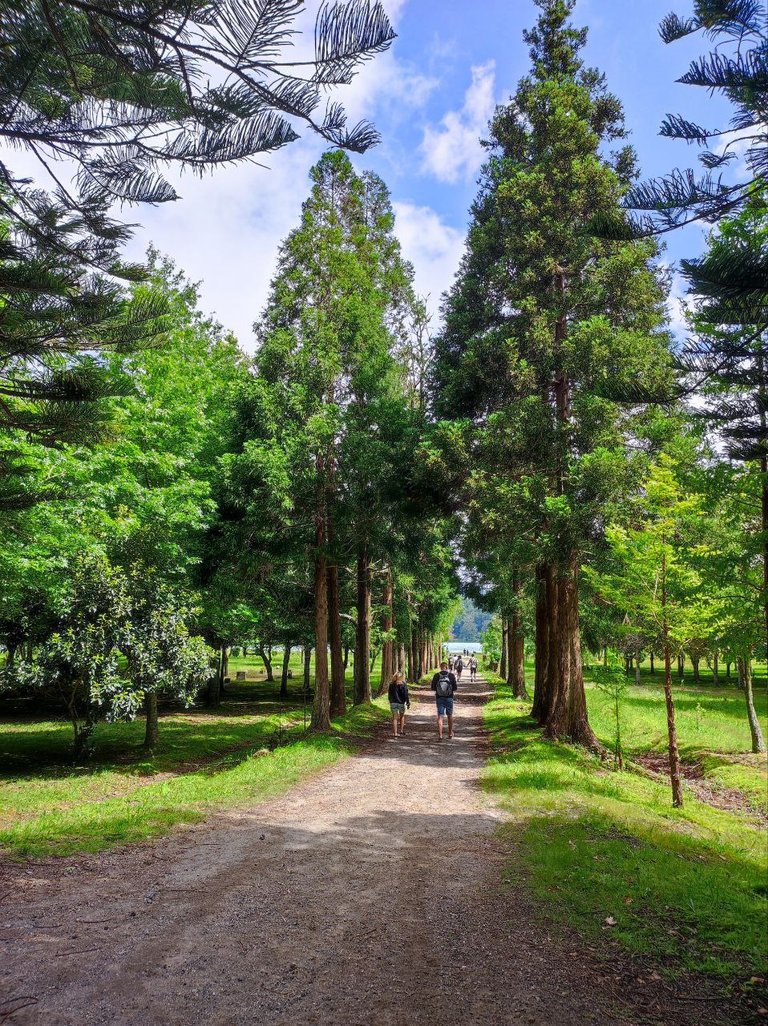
397,707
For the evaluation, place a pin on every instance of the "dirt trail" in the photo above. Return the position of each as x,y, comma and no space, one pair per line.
369,896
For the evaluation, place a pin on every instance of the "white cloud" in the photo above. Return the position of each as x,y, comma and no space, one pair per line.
225,230
451,150
679,304
433,247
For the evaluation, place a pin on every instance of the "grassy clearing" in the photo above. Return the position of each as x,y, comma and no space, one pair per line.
712,728
233,756
608,853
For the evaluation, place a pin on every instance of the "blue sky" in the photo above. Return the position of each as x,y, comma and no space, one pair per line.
430,96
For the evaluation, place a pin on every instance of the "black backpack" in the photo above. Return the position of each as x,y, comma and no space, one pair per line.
443,688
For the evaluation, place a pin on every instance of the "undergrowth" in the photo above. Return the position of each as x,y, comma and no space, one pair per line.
606,852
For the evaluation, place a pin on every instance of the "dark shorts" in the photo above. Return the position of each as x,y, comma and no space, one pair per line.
445,706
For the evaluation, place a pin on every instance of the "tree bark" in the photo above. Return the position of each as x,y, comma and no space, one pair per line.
681,665
152,729
307,667
284,672
363,629
637,670
758,742
516,667
567,716
764,505
716,668
321,706
387,647
674,752
653,668
338,688
695,665
267,660
503,670
541,664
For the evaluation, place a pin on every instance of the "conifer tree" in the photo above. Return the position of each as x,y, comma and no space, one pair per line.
311,449
122,91
736,69
541,319
726,359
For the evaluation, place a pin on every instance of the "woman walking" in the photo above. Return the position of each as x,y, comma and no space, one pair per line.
399,701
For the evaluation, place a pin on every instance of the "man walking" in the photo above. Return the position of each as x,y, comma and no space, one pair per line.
472,668
444,685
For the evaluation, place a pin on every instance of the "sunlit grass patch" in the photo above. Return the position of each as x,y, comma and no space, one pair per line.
608,853
203,763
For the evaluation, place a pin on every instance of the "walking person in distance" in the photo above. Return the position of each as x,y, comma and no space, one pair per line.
444,686
459,667
399,701
472,668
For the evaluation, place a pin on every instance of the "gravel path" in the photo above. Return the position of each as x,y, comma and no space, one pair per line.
369,896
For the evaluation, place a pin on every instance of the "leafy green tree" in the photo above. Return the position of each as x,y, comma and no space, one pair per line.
164,658
123,91
80,658
653,576
142,498
313,427
726,358
492,643
542,321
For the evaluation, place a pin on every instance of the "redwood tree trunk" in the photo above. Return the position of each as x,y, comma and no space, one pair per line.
152,730
541,666
517,655
568,717
338,691
321,706
387,647
363,629
758,742
503,672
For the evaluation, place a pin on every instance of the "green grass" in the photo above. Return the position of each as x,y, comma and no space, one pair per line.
232,756
712,730
686,887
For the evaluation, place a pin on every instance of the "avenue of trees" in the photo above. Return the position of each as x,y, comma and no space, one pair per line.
554,451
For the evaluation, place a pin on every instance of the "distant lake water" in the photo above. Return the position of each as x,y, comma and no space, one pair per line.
459,646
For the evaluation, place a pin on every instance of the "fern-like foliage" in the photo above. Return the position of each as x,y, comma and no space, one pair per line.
125,90
736,67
